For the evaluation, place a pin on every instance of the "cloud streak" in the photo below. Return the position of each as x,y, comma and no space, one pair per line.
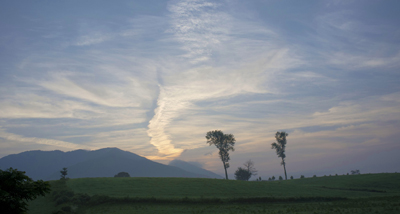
44,141
203,33
153,78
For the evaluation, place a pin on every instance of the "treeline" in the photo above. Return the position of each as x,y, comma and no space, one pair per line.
226,143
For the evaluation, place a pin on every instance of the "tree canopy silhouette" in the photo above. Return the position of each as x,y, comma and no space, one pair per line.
122,175
280,146
64,173
249,165
223,142
16,189
242,174
245,174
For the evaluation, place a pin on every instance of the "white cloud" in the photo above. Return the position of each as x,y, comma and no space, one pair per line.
199,27
95,38
51,142
204,32
360,61
353,44
95,91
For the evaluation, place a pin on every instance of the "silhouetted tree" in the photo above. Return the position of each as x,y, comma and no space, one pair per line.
249,165
280,146
250,171
302,176
291,177
273,178
16,189
242,174
64,173
355,172
280,178
122,175
223,142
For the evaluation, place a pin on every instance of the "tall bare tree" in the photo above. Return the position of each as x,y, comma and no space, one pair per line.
223,142
250,167
280,146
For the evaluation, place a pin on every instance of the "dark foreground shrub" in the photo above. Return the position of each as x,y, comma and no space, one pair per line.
66,193
122,175
99,199
67,209
81,198
63,199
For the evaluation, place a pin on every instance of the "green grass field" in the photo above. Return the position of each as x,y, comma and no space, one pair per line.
369,193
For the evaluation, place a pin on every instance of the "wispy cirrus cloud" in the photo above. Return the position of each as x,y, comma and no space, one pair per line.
204,32
153,78
354,44
51,142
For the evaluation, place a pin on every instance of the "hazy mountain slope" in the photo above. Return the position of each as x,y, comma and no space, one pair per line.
41,164
80,163
194,169
110,164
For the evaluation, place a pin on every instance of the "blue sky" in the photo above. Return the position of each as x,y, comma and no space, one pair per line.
152,77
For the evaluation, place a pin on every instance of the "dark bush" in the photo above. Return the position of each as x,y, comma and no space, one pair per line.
63,199
67,209
302,176
242,174
314,176
81,198
58,194
99,199
122,175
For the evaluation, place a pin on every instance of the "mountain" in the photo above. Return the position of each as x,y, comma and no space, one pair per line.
46,165
193,168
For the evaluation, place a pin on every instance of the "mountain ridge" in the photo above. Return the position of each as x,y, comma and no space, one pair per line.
106,162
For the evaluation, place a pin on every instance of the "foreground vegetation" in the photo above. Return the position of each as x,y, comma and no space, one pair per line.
371,193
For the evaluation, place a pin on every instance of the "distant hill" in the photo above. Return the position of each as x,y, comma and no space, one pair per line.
81,163
194,169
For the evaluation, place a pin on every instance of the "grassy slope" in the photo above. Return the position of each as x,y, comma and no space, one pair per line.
338,186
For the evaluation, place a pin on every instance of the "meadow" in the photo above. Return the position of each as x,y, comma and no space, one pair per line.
368,193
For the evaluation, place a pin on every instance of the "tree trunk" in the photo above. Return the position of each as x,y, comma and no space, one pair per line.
226,174
284,168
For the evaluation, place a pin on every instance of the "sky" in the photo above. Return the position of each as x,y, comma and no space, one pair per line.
153,77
